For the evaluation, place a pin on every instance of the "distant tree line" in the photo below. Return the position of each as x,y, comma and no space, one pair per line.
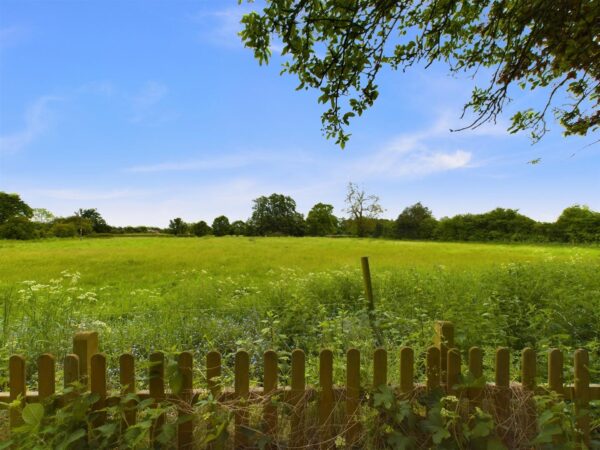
276,215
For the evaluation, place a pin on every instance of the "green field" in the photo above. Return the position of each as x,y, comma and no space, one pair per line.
143,294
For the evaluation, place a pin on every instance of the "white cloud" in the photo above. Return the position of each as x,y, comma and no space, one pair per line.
37,119
413,155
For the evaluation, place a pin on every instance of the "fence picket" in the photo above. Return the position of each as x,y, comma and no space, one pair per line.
453,370
432,368
528,373
581,394
407,362
326,399
379,367
528,369
127,380
156,386
213,373
555,371
297,400
330,422
503,393
476,370
270,385
17,386
242,389
46,376
185,427
98,386
352,396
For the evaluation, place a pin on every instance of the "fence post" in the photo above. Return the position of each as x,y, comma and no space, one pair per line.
444,340
581,394
85,345
17,386
366,271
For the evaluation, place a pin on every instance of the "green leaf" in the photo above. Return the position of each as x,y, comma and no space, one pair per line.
75,436
33,413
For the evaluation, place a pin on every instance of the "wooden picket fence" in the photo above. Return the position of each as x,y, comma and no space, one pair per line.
87,366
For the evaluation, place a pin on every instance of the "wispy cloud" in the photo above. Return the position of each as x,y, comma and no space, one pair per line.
85,195
221,27
233,161
413,155
11,35
37,119
144,103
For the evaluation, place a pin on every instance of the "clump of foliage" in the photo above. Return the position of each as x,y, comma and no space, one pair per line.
339,47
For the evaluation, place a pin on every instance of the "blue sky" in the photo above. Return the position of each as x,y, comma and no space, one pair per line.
149,110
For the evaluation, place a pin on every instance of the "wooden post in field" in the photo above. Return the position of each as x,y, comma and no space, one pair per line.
366,271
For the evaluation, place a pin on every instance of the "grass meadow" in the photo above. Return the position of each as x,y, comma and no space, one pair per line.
145,294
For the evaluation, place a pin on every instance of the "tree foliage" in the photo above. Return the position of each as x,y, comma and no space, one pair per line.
320,220
221,226
200,229
177,226
239,228
99,225
340,46
11,206
276,214
415,222
578,224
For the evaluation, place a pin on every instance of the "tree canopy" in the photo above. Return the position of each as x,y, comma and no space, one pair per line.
415,222
221,226
320,220
11,206
340,46
276,214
